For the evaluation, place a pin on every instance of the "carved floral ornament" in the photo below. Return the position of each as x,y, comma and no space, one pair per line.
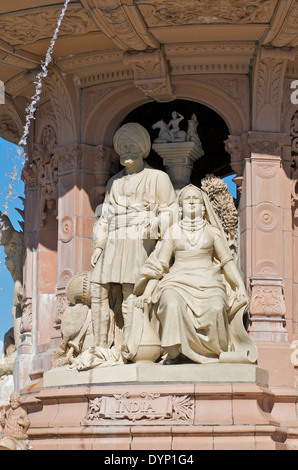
26,322
180,12
121,21
266,143
31,27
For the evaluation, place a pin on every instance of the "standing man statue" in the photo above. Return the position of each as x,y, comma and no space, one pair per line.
135,214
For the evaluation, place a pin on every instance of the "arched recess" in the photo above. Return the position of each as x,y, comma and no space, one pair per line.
118,102
212,130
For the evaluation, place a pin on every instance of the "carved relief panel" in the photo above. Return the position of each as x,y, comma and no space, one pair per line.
183,12
47,173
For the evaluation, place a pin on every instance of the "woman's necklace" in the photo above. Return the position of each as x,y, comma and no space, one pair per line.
192,230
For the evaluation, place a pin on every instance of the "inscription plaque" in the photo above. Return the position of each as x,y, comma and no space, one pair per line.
147,406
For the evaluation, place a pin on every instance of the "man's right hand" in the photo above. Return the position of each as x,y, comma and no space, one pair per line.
95,257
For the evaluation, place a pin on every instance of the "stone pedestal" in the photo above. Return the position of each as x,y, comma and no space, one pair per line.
178,159
156,407
158,373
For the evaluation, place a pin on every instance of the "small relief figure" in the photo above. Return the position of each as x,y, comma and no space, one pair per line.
199,299
170,132
164,134
176,134
15,424
192,133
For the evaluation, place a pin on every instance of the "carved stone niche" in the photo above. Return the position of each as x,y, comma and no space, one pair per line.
151,74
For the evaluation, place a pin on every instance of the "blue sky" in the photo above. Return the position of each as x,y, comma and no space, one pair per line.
10,158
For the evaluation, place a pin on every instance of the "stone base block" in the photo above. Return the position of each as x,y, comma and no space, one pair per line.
153,407
141,372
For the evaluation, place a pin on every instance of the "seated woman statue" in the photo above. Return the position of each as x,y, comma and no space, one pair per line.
197,294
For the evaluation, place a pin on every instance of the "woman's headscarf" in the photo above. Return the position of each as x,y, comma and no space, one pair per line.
137,134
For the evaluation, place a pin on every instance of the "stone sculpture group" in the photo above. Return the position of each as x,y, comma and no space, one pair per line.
164,285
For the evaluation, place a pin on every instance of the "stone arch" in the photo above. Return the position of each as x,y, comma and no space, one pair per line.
216,99
12,129
60,94
114,105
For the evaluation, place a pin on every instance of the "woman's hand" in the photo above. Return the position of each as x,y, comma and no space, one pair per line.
95,257
142,300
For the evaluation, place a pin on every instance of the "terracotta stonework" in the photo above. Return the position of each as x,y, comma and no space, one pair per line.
237,60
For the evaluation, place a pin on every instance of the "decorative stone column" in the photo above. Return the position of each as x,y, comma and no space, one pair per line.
27,347
265,223
293,154
264,252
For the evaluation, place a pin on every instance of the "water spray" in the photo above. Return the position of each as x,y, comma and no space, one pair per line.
31,109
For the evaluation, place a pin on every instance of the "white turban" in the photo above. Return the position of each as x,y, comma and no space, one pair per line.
135,132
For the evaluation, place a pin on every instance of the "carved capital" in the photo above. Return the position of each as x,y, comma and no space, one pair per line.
234,146
266,144
151,74
68,158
